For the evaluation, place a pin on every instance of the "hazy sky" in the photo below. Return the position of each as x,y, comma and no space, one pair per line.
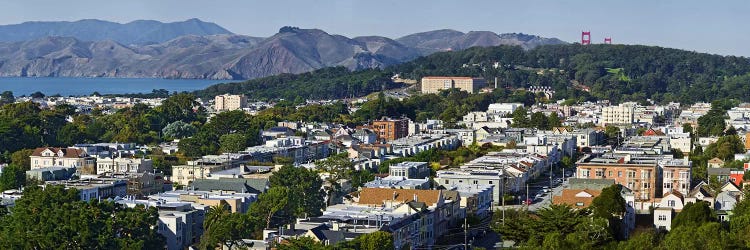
719,27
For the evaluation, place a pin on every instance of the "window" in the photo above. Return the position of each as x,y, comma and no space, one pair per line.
668,175
619,173
490,182
610,173
670,203
599,173
646,175
446,181
662,217
476,182
585,173
579,204
667,185
684,175
631,174
646,185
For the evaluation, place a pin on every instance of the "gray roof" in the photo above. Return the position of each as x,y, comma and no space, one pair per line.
324,233
597,184
238,185
719,171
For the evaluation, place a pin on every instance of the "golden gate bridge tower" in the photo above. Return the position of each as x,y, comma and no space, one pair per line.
585,37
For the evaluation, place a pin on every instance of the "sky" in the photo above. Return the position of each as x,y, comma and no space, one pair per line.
717,27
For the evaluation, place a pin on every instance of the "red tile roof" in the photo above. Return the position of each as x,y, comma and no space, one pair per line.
376,196
67,152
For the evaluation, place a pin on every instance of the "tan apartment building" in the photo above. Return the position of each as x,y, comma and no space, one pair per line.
185,174
621,114
391,129
230,102
434,84
642,177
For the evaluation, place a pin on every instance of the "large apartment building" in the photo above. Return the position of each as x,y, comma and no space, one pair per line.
391,129
621,114
122,165
650,177
434,84
230,102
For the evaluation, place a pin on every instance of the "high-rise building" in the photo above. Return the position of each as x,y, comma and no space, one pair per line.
434,84
230,102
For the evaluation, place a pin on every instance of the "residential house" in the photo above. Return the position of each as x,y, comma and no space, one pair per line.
663,218
718,174
674,200
63,157
700,193
576,198
715,163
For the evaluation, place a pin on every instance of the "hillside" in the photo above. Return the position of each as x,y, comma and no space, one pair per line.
451,40
137,32
613,72
196,49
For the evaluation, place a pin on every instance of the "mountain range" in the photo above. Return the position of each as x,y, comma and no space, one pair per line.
202,50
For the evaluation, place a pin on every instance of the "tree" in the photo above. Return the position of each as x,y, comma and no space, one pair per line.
694,215
648,239
725,148
21,158
224,228
306,195
708,235
538,120
6,98
612,131
273,201
179,130
520,118
301,243
56,218
37,95
231,143
338,167
553,120
12,177
609,203
375,241
190,147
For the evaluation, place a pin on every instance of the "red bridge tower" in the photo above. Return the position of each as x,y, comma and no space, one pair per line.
585,37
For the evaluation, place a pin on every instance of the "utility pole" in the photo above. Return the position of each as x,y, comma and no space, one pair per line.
527,197
466,234
502,188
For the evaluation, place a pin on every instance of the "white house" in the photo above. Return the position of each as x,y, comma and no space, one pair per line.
663,218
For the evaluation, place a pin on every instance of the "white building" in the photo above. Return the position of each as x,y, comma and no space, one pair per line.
230,102
123,165
663,218
621,114
503,108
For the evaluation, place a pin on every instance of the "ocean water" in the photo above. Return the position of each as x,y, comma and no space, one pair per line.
86,86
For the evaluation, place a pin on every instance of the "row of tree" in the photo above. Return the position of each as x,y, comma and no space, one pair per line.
55,218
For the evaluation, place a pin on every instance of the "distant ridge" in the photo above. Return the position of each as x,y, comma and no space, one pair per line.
135,32
202,50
